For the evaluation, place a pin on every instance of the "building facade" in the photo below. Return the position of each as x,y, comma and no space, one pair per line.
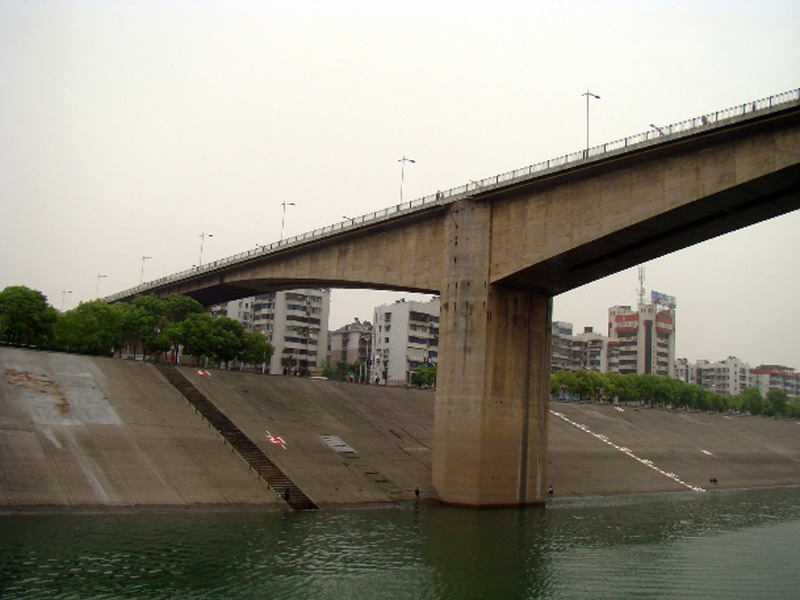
405,336
644,338
294,321
728,377
768,377
561,347
351,343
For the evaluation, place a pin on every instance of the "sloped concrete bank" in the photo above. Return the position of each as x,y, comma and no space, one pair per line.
84,433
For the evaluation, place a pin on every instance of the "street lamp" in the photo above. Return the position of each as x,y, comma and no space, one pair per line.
658,129
144,258
64,297
351,219
203,237
283,218
588,95
99,277
403,162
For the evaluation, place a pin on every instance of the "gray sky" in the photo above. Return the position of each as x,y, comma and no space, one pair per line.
129,128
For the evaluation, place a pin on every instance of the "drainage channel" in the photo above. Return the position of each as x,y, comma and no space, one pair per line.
247,449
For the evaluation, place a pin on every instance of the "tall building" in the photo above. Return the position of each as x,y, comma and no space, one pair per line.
592,351
561,347
405,336
645,338
729,377
239,310
768,377
351,343
294,321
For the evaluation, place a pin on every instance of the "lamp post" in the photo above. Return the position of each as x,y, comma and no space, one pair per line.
588,95
64,297
403,162
203,237
283,218
141,277
99,277
658,129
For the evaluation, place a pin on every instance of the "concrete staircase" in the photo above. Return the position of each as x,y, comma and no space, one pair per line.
247,449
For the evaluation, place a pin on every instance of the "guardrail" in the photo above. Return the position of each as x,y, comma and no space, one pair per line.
712,120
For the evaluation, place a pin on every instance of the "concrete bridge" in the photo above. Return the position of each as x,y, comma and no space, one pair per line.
499,250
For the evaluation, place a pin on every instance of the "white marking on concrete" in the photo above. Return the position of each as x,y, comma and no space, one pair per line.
51,437
89,467
336,443
646,462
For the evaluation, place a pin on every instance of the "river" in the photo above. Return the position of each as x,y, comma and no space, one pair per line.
712,545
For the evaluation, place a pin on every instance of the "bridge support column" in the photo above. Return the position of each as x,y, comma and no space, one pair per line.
490,429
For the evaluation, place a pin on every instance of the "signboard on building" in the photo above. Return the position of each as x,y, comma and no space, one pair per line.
663,300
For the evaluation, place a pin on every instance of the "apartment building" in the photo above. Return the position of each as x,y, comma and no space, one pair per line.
768,377
644,338
730,376
351,343
561,346
294,321
405,336
593,351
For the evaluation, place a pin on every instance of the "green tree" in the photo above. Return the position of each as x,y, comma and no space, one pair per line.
228,336
424,375
256,348
621,387
195,333
753,401
777,402
143,325
177,308
92,328
25,316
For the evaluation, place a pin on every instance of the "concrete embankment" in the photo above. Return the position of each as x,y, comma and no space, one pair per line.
83,433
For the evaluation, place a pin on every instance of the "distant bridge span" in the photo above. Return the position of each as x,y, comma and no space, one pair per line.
499,250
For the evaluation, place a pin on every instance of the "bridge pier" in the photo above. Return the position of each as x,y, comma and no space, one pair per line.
490,428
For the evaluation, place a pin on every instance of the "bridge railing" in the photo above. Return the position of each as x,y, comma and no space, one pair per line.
682,128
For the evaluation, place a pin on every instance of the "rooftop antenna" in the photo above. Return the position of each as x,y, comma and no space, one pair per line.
641,284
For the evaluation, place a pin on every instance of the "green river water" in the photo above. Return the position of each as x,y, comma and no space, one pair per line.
715,545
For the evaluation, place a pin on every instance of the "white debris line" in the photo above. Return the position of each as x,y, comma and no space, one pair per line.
624,450
706,452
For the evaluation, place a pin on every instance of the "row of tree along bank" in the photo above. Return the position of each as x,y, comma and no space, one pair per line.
654,390
149,326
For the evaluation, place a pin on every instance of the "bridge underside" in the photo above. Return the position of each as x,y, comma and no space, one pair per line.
220,290
756,201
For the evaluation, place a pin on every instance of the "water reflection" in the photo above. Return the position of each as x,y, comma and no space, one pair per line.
661,547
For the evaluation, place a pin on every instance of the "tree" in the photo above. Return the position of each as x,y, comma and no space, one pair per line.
195,333
621,387
25,316
177,308
228,336
92,328
777,402
752,401
256,348
424,375
143,325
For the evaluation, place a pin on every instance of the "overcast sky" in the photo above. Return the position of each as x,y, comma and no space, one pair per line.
127,129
